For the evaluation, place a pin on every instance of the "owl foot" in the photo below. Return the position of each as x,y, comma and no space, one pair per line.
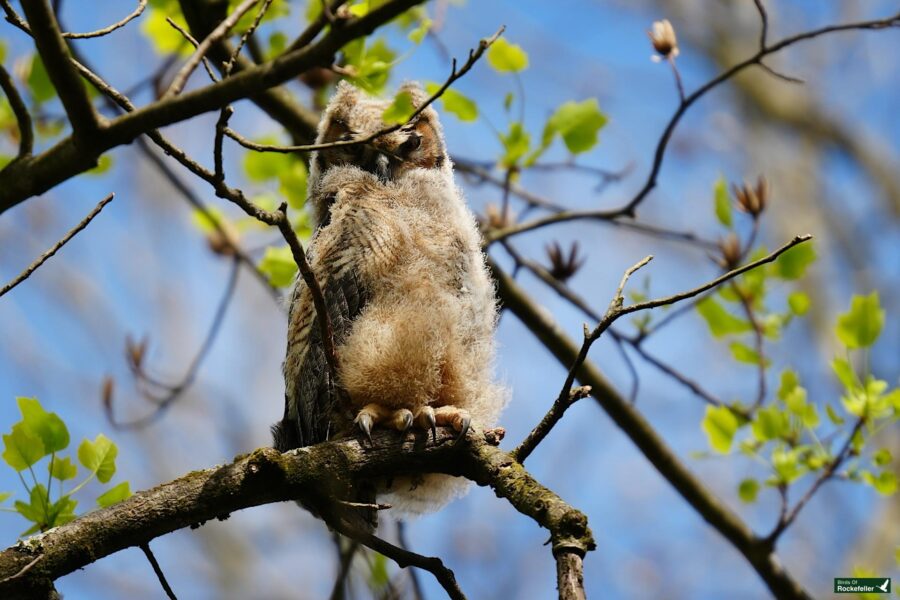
400,419
457,418
426,420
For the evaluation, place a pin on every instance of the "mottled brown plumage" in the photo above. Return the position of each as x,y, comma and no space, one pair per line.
398,255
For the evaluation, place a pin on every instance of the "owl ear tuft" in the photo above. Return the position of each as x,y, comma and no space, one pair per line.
346,92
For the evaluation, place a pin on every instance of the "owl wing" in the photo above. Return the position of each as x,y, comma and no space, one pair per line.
345,254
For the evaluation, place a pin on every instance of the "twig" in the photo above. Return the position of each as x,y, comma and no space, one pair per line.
323,318
413,575
648,441
55,248
246,35
314,28
23,118
763,34
193,42
145,548
615,311
56,57
214,36
345,561
785,520
173,392
142,4
21,572
455,74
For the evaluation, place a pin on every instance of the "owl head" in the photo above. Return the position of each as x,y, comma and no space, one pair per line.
352,114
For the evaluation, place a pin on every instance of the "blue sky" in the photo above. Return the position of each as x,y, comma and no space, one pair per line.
141,268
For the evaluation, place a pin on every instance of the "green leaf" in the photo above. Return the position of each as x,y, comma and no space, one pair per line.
507,58
507,101
882,457
104,164
47,426
745,354
792,264
455,103
789,382
577,123
292,183
418,34
4,496
720,321
99,457
39,82
861,325
400,110
845,373
22,447
278,264
61,512
833,416
2,51
515,143
770,423
163,37
885,483
722,202
35,510
114,494
378,575
748,490
799,303
786,465
62,468
277,44
205,220
720,425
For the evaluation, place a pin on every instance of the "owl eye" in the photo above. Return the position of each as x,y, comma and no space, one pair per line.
411,144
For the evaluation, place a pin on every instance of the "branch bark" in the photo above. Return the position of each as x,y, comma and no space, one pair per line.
23,179
265,476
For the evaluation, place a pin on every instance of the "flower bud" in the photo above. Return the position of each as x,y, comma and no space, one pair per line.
753,199
662,36
730,249
563,267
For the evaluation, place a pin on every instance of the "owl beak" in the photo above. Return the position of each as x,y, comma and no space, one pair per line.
377,163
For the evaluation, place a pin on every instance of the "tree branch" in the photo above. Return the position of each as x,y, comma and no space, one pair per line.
56,57
142,4
23,118
633,424
55,248
22,179
266,476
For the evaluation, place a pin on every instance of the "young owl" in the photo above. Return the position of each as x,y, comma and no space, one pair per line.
398,256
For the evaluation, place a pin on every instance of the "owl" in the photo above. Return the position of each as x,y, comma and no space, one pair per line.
398,256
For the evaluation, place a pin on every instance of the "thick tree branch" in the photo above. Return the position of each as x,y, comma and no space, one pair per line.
758,553
57,60
23,179
266,476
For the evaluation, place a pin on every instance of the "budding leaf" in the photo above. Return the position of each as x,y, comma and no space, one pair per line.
400,110
770,423
99,457
720,425
748,490
278,264
47,426
515,144
507,58
22,447
455,103
792,263
577,123
62,468
720,321
862,324
114,494
39,83
798,303
722,202
745,354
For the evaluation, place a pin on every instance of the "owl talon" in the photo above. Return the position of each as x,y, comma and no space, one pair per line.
466,422
426,420
403,420
364,421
